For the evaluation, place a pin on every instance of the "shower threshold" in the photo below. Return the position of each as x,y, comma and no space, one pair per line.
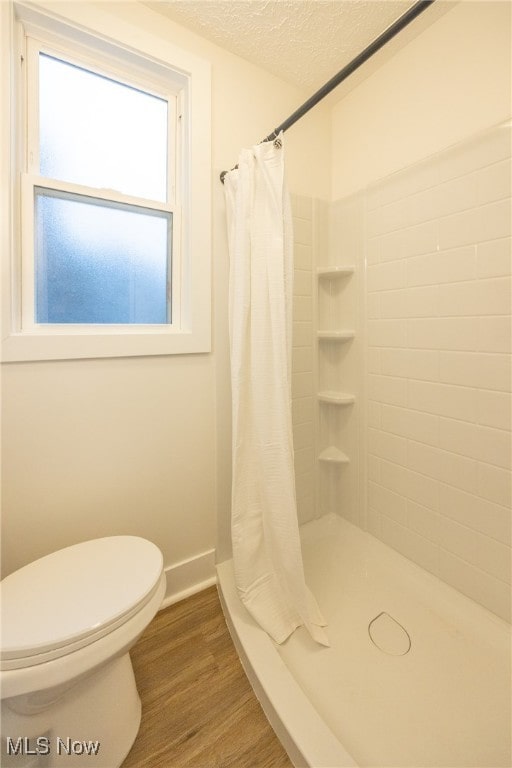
443,702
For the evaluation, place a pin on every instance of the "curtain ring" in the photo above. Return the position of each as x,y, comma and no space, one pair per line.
278,143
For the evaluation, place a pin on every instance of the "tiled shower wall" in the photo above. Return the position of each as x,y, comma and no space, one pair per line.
438,302
303,375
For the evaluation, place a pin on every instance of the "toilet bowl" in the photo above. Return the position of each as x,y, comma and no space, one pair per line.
68,621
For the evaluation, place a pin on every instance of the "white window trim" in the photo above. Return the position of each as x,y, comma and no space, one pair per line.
112,37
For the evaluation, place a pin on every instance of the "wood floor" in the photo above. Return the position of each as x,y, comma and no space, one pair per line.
198,709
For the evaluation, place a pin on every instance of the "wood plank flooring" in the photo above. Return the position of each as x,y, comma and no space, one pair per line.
198,709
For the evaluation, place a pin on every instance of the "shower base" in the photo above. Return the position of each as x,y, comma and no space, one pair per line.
417,674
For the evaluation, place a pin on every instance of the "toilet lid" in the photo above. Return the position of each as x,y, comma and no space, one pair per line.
78,591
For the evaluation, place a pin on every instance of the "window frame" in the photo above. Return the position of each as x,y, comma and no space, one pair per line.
189,196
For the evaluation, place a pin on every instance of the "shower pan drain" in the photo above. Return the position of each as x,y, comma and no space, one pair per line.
388,635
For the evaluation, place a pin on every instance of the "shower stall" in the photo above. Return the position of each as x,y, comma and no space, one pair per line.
401,368
401,427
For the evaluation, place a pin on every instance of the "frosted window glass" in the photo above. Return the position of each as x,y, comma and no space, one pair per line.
100,263
100,133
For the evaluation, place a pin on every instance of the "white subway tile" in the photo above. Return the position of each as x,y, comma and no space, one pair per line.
424,333
373,468
387,389
419,488
373,361
302,359
395,420
373,222
494,409
456,333
394,477
494,182
423,301
423,521
302,333
456,265
372,250
457,195
373,196
484,444
424,206
423,364
423,269
373,523
394,216
385,277
491,519
468,156
493,594
304,462
415,547
302,384
386,502
410,181
388,446
458,539
495,296
302,206
443,400
302,256
423,490
394,304
439,336
459,471
302,282
302,410
495,484
421,239
395,362
475,297
302,231
374,414
302,308
387,333
494,220
494,259
303,435
460,229
494,334
471,369
418,426
424,459
493,558
373,306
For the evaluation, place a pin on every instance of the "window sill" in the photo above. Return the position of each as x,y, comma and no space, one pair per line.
85,343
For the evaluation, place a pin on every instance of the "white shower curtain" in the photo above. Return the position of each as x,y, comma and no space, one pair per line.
266,547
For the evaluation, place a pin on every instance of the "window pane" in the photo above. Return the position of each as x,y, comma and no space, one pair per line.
100,263
100,133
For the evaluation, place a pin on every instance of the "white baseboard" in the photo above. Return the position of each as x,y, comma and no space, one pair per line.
189,576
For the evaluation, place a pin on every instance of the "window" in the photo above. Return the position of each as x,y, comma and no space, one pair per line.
98,259
103,258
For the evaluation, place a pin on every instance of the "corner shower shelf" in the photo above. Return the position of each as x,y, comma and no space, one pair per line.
336,398
333,455
335,271
340,336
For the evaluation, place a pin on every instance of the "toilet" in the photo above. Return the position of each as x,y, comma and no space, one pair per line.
68,621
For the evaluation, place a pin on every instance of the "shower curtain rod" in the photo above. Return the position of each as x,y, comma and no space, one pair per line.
331,84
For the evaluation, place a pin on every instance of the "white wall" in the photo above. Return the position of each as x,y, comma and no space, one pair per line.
141,445
449,83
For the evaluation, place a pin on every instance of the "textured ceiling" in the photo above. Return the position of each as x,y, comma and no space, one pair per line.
302,41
